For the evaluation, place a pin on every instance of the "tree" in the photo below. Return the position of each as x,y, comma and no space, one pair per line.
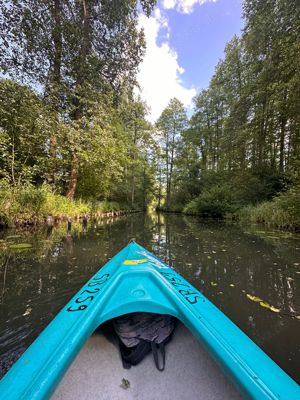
244,135
73,52
171,124
23,130
32,51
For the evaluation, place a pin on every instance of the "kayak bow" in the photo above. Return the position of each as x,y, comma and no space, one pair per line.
137,281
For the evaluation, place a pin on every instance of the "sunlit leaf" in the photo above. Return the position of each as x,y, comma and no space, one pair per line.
269,307
232,285
254,298
20,246
213,284
28,311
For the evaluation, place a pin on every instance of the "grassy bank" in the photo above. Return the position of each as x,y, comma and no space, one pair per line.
221,202
282,212
28,205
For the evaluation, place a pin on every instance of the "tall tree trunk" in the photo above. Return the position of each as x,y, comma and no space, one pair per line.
54,87
84,51
171,169
281,147
144,190
133,166
159,188
73,176
167,169
283,122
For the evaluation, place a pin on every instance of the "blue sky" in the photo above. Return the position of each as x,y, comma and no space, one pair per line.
185,40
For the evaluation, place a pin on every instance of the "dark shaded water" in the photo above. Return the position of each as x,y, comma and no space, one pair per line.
223,261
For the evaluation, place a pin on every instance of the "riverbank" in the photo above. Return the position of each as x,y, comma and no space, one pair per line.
30,206
282,212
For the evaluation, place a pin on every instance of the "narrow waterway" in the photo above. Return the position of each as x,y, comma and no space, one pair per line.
251,274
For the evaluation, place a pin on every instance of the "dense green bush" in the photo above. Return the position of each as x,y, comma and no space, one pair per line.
215,202
282,212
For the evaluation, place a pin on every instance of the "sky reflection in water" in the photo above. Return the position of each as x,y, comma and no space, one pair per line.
223,261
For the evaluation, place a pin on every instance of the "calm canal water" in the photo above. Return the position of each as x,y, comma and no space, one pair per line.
223,261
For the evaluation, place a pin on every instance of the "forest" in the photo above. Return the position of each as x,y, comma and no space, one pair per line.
76,137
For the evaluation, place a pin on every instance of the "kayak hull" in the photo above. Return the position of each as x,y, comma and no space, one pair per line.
136,281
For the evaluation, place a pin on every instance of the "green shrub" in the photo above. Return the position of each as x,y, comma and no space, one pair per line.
215,202
30,198
282,212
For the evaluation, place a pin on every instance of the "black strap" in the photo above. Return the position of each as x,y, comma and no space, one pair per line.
134,355
156,349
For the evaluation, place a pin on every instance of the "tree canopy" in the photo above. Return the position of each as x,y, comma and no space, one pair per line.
69,116
79,61
242,143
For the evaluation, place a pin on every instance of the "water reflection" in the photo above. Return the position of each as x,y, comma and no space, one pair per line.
223,261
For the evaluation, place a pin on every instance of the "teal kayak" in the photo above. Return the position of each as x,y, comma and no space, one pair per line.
135,280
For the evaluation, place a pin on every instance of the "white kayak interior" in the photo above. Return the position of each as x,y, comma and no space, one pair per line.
190,374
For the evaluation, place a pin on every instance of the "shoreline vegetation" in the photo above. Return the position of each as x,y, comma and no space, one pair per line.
29,206
282,212
82,144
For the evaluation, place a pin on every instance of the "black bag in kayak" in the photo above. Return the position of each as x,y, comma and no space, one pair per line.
141,333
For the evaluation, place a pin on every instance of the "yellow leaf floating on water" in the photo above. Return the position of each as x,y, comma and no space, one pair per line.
254,298
269,307
262,303
232,285
213,284
274,309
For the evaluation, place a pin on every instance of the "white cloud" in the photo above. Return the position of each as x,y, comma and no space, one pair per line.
159,74
184,6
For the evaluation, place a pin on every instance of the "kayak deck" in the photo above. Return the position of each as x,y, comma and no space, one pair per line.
190,373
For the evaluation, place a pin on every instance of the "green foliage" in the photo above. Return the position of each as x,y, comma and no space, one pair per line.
28,204
23,126
170,124
282,212
242,145
215,202
86,130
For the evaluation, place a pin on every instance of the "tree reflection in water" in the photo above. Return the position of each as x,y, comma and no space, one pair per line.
222,260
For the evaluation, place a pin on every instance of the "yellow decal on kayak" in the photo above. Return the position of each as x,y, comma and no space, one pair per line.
134,262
